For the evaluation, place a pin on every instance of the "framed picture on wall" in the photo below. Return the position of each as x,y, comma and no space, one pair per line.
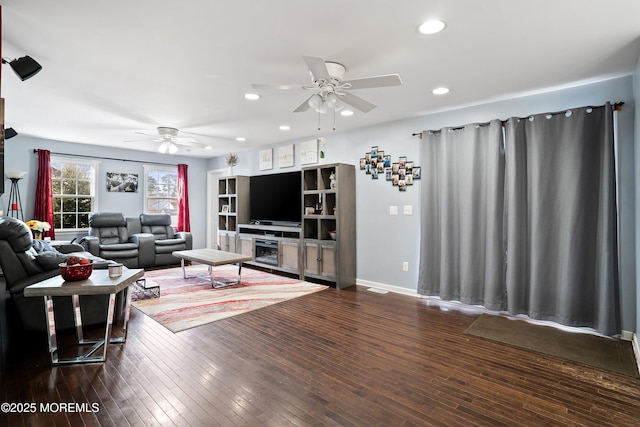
122,182
285,156
309,152
266,159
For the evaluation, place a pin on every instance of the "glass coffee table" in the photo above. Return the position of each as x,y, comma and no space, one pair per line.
99,283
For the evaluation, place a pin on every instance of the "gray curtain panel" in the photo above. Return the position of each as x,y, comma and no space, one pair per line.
561,219
462,251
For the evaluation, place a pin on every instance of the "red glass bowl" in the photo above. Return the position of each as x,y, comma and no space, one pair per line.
75,272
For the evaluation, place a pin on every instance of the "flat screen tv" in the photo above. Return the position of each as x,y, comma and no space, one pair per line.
276,199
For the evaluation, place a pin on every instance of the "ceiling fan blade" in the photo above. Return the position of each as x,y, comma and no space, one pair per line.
357,102
189,142
317,67
377,81
186,140
202,135
277,87
304,106
147,133
144,139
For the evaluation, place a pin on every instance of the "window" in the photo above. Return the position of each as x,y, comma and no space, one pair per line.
74,188
161,190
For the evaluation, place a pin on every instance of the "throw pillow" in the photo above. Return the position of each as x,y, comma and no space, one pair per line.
50,260
42,246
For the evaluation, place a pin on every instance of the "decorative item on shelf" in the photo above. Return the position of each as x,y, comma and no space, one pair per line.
401,173
332,234
14,208
231,160
323,149
38,228
332,180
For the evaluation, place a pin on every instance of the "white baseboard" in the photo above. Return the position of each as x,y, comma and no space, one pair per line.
390,288
627,335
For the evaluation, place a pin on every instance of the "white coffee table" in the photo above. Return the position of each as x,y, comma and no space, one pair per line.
99,283
212,258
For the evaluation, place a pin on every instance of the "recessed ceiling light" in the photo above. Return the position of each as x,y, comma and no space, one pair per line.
431,27
346,113
207,147
285,127
241,139
440,90
251,96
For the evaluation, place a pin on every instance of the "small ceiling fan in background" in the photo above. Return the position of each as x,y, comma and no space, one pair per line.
331,92
169,140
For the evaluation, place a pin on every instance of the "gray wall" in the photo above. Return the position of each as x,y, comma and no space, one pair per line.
384,242
19,156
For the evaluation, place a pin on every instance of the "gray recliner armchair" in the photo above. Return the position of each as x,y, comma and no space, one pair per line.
109,238
166,239
25,261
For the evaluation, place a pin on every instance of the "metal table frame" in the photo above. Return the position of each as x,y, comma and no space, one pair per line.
212,257
99,283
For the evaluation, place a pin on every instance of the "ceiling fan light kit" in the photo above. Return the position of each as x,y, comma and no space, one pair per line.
331,90
168,146
170,141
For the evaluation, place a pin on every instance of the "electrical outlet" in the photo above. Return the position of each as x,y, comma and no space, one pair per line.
405,266
393,210
408,210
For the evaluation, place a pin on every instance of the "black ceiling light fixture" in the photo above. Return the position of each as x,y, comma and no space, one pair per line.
25,67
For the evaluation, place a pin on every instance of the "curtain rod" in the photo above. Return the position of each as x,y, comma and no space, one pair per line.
616,107
35,150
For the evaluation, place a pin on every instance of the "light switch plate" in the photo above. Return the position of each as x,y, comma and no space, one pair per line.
408,210
393,210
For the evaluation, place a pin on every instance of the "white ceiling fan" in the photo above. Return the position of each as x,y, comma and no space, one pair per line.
331,91
169,139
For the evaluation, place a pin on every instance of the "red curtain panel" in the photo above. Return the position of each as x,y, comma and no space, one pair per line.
184,224
43,209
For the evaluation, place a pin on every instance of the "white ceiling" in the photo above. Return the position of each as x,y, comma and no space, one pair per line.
111,68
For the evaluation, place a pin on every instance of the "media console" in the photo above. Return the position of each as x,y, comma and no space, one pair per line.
272,246
323,247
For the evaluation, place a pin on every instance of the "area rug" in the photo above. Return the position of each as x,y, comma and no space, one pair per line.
592,350
191,302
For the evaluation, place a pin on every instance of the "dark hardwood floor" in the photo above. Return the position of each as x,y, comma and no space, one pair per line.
349,357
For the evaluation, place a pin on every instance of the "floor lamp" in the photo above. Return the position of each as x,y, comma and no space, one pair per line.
14,208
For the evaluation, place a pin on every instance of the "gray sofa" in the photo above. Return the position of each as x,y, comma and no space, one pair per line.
141,242
25,261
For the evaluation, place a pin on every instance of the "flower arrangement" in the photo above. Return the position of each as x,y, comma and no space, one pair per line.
232,159
323,150
38,226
